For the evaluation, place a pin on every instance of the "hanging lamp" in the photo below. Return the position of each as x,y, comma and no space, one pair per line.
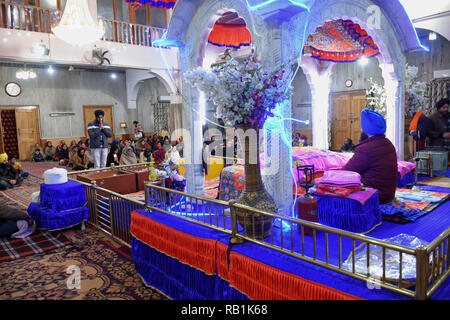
77,27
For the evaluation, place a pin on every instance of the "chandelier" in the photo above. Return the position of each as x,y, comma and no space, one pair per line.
25,74
77,27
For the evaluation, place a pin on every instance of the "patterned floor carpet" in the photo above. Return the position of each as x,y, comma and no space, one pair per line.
106,271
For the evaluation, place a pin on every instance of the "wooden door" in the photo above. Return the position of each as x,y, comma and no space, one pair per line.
89,116
28,134
358,103
345,118
340,108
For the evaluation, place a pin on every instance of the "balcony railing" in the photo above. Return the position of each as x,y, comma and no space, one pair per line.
31,18
131,33
28,18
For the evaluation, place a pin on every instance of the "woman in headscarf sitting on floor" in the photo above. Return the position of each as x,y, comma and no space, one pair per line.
113,156
128,156
375,158
80,160
159,156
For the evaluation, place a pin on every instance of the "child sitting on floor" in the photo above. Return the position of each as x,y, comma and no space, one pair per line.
16,164
37,155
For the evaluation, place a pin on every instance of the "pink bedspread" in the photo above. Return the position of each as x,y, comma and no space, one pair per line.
324,160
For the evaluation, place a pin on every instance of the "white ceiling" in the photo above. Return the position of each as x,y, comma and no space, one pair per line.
430,14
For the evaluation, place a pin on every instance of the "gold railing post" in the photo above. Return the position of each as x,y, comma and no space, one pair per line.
146,198
421,273
111,216
94,194
234,238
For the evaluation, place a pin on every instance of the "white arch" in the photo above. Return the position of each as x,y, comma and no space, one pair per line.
391,61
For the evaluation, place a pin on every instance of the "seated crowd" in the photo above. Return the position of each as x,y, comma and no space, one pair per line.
78,155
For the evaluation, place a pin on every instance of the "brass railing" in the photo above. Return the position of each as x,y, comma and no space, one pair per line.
27,18
131,33
36,19
112,214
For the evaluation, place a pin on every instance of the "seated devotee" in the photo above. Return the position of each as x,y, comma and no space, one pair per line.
49,152
348,146
159,154
375,158
127,156
165,133
73,150
58,149
145,156
13,220
81,161
16,164
37,154
113,156
296,139
140,147
363,136
439,130
166,144
63,155
9,177
180,146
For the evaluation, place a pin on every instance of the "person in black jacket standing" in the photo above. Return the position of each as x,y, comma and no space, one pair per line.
99,132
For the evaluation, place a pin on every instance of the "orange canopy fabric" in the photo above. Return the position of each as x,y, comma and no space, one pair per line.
340,41
230,31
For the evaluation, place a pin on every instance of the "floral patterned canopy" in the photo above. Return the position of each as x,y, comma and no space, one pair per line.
165,4
230,31
340,41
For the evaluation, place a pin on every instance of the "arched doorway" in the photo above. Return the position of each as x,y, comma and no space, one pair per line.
339,61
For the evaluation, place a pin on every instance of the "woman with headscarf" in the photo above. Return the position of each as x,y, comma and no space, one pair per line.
113,156
159,155
128,156
145,156
63,155
140,147
80,160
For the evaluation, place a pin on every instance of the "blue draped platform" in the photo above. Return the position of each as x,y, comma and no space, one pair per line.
181,281
408,179
61,206
65,196
349,214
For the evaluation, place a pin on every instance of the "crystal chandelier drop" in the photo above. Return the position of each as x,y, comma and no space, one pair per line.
77,26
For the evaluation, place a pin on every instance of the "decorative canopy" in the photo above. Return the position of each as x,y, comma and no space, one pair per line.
165,4
340,41
230,31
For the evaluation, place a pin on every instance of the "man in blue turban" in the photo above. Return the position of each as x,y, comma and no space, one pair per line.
375,158
99,132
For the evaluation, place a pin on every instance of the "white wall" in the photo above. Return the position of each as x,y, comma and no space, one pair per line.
17,45
68,91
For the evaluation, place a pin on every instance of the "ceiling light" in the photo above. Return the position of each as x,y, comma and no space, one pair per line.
76,26
363,61
432,36
113,76
50,70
